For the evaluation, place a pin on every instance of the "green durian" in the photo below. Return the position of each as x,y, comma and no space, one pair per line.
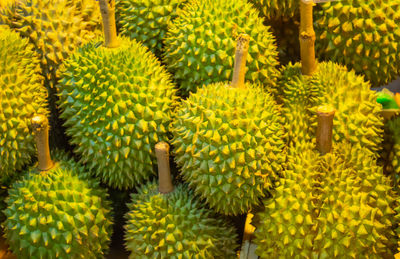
147,21
273,9
22,95
339,205
117,104
56,210
391,152
200,44
358,119
56,28
228,144
363,35
175,225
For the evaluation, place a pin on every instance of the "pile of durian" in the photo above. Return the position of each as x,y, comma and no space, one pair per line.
267,106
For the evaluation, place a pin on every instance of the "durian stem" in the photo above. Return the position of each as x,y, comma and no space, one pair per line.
40,126
325,114
239,72
107,8
307,38
164,172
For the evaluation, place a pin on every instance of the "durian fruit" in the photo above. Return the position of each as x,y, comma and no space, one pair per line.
117,101
55,210
22,95
168,222
391,152
363,35
228,141
304,86
147,21
332,203
56,28
273,9
200,44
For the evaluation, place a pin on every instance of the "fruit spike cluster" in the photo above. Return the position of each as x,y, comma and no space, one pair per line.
56,210
147,21
200,44
168,222
363,34
22,95
334,204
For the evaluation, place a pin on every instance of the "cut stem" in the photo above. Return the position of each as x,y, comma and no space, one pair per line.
107,8
239,72
164,172
40,126
307,38
325,114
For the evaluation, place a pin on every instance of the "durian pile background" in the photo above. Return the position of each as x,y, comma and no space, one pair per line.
233,150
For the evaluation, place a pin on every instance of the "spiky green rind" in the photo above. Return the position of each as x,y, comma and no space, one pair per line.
357,120
228,142
335,206
147,20
175,225
56,28
117,104
22,95
391,152
56,214
363,35
201,42
273,9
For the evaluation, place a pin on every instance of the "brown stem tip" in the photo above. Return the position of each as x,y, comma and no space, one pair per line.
40,127
239,71
325,114
164,172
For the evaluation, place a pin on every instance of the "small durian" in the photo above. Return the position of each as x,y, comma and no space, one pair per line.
170,222
228,141
200,44
147,21
304,86
331,203
117,101
22,95
364,35
56,210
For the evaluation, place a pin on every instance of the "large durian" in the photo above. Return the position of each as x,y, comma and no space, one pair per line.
117,103
363,35
22,95
56,210
228,141
168,222
55,27
147,21
200,44
330,204
304,86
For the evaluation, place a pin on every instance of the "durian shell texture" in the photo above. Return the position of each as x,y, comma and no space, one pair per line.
175,225
228,143
117,103
339,205
22,95
60,213
200,44
147,21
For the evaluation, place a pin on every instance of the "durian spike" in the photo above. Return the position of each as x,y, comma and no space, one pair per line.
164,171
307,38
40,126
239,71
107,8
325,114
